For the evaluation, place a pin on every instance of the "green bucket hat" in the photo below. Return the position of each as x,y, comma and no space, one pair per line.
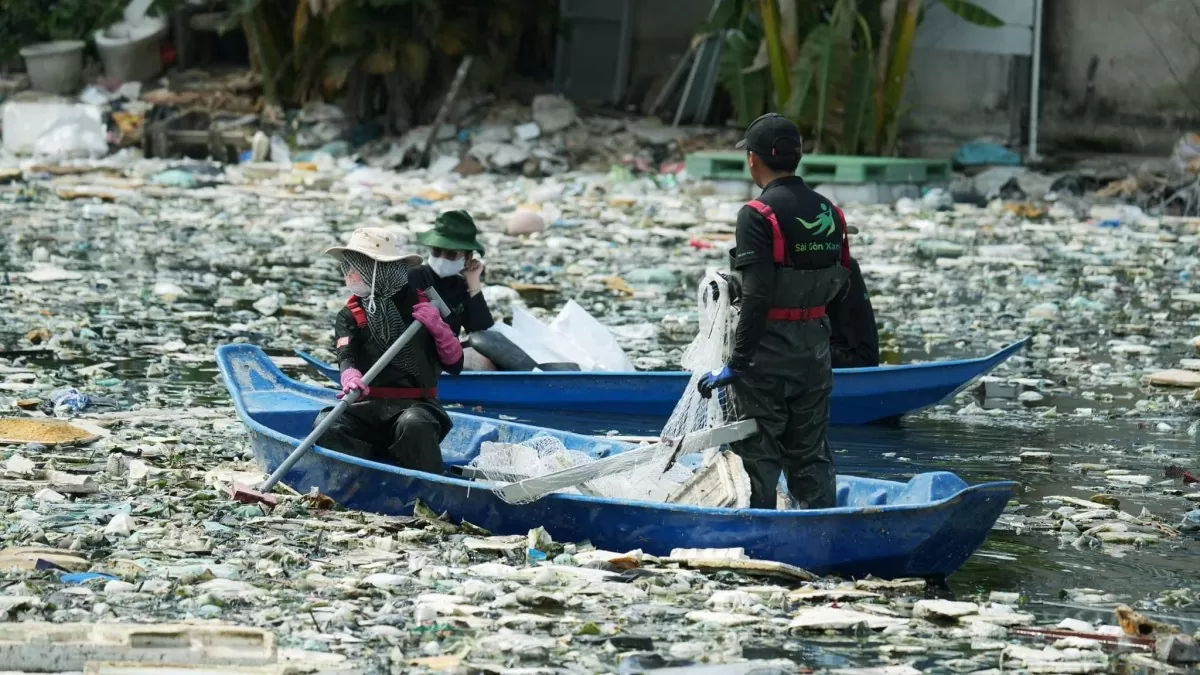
454,230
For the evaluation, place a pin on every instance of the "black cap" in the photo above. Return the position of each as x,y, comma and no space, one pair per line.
772,135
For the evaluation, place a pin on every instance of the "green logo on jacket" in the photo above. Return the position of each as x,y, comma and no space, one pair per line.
825,224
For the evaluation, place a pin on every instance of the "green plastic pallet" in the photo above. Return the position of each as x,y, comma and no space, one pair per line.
827,168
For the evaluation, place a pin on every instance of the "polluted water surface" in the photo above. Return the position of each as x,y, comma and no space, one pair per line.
114,298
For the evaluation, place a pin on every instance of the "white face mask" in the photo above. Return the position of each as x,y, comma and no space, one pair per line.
356,284
447,268
359,288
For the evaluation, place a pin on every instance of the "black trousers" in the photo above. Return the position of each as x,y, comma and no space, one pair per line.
401,432
793,424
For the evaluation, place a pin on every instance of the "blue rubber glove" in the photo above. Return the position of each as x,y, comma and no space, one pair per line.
716,379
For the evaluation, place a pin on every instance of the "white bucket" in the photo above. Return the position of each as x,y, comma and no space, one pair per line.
55,67
130,50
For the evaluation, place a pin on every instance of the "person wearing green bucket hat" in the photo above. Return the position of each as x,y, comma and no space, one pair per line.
454,271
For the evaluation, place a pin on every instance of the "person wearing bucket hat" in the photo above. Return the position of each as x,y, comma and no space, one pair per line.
398,418
454,270
792,257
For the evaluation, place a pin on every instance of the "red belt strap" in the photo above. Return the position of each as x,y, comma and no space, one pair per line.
781,314
403,392
777,243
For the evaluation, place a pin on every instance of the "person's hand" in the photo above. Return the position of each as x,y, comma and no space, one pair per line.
474,274
715,380
429,317
352,379
449,349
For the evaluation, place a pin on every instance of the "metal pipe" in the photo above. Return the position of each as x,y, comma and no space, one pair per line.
1035,80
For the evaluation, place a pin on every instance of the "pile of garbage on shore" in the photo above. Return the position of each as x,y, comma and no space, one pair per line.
225,117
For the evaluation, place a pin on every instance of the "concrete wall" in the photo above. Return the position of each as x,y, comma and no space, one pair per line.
1137,44
663,29
1145,89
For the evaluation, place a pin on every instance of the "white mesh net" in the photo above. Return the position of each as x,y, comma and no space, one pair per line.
511,462
709,351
504,463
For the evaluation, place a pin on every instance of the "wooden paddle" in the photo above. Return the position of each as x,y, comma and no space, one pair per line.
535,488
246,495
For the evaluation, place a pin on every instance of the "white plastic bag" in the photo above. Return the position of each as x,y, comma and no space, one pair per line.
25,122
550,340
80,136
1186,157
533,348
582,329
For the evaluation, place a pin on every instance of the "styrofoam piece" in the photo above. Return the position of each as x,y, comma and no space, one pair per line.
26,121
48,647
593,337
540,486
720,483
708,554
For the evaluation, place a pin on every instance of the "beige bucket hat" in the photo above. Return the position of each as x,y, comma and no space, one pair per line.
377,244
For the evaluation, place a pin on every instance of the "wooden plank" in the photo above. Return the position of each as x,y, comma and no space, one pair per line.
52,648
33,486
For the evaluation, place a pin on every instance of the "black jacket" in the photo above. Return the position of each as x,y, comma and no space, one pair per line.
467,312
855,339
356,349
789,253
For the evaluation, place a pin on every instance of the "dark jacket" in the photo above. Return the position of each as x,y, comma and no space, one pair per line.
356,349
791,245
855,339
467,312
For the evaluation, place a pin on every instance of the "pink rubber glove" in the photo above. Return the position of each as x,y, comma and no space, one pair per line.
351,380
449,349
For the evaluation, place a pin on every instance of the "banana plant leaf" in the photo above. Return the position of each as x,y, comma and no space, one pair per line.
827,79
769,12
747,89
973,13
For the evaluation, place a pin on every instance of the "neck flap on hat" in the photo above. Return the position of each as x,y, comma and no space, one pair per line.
384,320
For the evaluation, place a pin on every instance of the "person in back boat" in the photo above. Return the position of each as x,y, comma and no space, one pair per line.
855,340
398,418
455,272
792,255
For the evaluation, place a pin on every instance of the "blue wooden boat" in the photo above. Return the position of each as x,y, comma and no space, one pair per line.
860,395
928,526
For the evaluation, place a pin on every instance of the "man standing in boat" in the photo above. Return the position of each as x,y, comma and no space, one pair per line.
398,418
793,256
855,340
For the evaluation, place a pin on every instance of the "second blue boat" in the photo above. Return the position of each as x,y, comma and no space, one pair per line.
641,402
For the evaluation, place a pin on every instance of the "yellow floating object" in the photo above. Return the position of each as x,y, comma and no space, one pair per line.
619,284
22,430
